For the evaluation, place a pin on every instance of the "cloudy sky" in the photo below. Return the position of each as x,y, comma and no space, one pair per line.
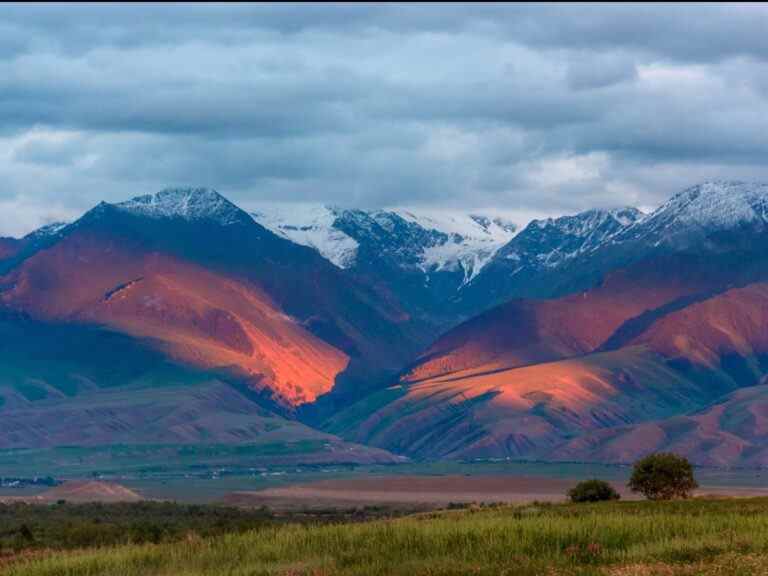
538,109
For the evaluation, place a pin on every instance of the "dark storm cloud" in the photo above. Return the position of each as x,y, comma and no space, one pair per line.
695,32
536,108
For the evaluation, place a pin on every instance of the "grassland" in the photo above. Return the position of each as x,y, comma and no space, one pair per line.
698,537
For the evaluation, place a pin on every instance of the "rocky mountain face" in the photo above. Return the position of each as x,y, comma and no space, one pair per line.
419,259
713,213
543,397
540,261
555,257
448,269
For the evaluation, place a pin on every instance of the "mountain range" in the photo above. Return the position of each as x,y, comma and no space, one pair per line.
421,259
178,317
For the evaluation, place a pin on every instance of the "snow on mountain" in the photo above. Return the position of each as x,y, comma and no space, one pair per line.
550,257
540,260
691,215
185,203
311,226
548,243
686,218
429,241
471,241
46,231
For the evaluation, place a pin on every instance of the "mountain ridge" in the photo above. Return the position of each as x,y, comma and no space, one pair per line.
640,321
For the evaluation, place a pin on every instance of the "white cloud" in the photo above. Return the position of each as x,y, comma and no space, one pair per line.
20,216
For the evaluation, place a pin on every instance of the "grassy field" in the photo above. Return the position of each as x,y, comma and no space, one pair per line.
698,537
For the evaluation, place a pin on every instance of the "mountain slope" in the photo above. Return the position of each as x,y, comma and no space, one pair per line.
709,332
66,385
9,247
198,277
668,334
731,432
196,316
594,407
521,412
416,239
523,332
556,257
706,216
536,263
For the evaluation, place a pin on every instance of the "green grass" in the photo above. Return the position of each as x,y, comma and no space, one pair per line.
25,527
724,537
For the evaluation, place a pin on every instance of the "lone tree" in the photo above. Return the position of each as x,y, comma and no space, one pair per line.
663,476
592,491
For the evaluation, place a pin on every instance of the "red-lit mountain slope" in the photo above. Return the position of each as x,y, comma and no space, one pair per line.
712,331
108,400
523,332
198,317
674,360
522,412
198,278
731,432
725,334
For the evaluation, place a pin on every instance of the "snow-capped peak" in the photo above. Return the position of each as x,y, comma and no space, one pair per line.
717,203
471,240
430,241
587,222
696,212
185,203
552,241
309,225
47,231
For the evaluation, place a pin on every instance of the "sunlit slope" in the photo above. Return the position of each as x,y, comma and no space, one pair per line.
728,331
523,411
201,318
726,334
66,385
732,432
208,286
679,361
523,332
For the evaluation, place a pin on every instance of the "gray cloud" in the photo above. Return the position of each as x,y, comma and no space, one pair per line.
590,71
529,108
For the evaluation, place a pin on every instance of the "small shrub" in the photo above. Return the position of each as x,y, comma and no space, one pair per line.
593,491
663,476
26,533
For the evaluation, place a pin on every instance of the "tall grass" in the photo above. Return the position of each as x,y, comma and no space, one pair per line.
694,537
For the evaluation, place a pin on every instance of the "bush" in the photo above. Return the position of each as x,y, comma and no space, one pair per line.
592,491
663,476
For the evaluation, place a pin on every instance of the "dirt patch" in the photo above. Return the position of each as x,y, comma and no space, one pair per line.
80,491
430,491
425,492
